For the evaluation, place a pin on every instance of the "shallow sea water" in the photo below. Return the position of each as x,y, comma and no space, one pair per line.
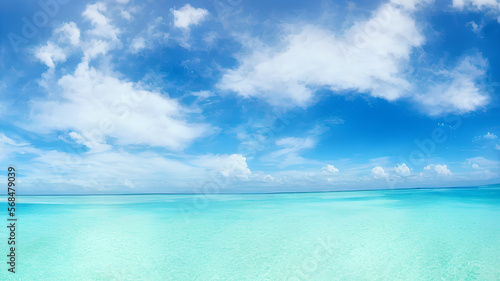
427,234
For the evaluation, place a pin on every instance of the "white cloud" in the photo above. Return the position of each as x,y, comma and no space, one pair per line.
50,54
69,33
489,6
108,114
483,162
460,92
476,28
94,14
294,144
379,173
97,145
442,170
233,165
490,136
68,37
289,154
97,106
188,16
477,4
203,95
126,15
149,36
138,43
329,169
473,169
436,170
6,140
403,170
411,4
71,172
10,147
104,35
369,57
497,147
119,108
210,38
129,183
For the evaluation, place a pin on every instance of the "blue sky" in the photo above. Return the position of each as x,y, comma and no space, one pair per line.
249,96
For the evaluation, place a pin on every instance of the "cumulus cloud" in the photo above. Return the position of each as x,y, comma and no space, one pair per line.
101,23
99,109
99,106
329,169
440,170
188,16
69,33
103,36
490,136
403,170
379,173
50,54
233,165
369,58
66,38
76,171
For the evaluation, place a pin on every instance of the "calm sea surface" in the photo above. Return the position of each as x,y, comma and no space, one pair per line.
432,234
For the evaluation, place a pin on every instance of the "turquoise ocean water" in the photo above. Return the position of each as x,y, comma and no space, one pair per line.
431,234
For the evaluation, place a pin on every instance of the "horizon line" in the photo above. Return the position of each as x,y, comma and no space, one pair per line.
257,193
